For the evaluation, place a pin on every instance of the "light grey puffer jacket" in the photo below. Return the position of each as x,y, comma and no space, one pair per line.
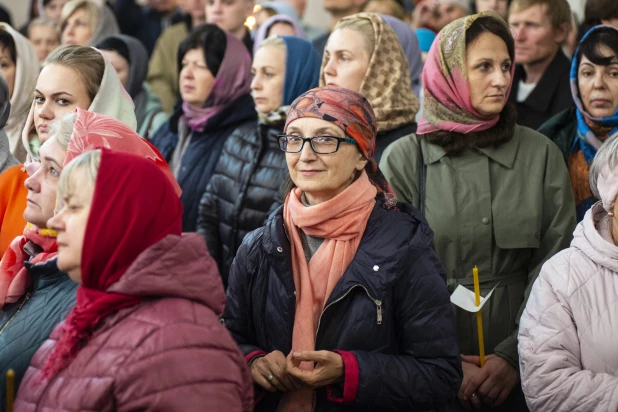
568,334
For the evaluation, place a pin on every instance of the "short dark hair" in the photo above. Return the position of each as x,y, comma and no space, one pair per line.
600,9
211,40
488,24
590,46
116,45
7,42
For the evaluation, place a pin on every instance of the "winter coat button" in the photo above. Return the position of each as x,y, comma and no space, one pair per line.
485,221
279,249
376,268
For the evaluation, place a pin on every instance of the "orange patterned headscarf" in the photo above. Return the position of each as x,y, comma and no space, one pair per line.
351,112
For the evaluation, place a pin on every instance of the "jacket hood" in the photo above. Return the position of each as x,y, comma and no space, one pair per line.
593,237
175,267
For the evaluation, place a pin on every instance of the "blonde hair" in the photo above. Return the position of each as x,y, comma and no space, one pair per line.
364,27
61,129
93,10
274,41
85,165
43,22
86,61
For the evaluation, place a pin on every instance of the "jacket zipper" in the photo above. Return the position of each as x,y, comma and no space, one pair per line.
377,302
16,313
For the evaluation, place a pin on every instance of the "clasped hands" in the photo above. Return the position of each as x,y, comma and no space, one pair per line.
276,372
490,384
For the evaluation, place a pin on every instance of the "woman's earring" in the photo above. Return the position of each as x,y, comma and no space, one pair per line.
611,214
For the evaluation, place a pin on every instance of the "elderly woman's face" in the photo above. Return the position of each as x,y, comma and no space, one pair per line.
41,185
347,60
196,80
489,73
598,85
268,70
78,29
322,176
70,222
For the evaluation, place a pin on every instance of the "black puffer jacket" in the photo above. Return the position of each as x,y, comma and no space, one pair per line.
203,152
26,324
242,191
390,311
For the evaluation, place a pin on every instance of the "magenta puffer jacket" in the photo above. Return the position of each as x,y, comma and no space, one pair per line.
169,353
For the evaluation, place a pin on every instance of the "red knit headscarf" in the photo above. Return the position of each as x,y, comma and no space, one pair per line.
133,207
352,113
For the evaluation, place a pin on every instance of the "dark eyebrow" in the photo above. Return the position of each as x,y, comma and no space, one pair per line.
55,94
52,160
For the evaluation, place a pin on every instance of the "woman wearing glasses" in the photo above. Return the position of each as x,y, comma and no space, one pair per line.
339,302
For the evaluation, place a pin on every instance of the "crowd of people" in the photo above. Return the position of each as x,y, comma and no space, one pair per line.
215,205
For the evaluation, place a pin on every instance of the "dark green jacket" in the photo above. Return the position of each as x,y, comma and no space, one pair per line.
26,324
505,209
562,129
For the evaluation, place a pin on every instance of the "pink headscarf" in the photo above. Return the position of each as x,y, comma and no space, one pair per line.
233,80
91,131
447,104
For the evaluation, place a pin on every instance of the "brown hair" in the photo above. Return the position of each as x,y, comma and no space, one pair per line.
396,8
558,11
597,10
86,61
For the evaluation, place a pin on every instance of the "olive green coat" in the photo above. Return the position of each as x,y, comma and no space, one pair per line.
505,209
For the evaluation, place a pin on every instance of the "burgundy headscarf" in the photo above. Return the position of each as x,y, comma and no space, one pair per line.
133,207
351,112
232,81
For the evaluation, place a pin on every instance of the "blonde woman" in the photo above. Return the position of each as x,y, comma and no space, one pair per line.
86,22
363,54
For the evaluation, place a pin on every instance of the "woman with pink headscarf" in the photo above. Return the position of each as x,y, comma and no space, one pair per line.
497,195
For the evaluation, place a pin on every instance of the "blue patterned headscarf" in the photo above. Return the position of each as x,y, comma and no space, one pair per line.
587,141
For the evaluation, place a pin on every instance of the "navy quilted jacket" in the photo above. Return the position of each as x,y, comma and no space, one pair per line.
203,152
390,310
26,324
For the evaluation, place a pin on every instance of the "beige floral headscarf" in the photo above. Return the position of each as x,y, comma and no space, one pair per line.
387,81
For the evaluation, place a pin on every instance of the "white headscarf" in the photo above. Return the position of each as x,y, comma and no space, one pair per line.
6,158
26,73
111,100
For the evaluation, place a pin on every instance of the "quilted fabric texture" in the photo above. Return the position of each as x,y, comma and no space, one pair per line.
242,192
52,294
569,330
168,353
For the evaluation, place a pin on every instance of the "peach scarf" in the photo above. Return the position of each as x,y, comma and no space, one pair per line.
341,222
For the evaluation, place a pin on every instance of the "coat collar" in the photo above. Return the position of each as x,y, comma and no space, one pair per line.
541,97
503,154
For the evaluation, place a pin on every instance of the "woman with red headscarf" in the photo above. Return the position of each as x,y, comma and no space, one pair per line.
339,302
142,336
34,294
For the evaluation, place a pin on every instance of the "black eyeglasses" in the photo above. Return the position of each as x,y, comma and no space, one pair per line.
320,144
